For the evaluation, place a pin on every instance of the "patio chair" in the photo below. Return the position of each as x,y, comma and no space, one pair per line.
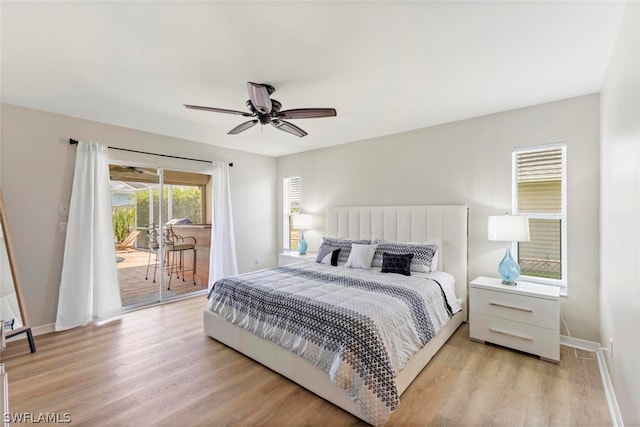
152,237
128,241
174,246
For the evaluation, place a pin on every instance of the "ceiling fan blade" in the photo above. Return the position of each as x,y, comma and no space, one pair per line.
259,96
242,127
218,110
306,113
288,127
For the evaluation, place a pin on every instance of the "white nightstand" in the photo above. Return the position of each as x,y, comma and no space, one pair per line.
285,258
524,317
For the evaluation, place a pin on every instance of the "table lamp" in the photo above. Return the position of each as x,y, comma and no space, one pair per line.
302,222
508,228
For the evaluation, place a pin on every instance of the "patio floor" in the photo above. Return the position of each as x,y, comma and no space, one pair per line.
134,289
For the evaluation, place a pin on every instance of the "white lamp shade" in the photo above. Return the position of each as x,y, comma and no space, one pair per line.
508,228
302,222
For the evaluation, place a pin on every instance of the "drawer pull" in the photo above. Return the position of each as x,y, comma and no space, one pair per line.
511,335
528,310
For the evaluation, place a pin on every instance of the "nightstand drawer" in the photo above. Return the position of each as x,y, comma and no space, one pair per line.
530,339
524,309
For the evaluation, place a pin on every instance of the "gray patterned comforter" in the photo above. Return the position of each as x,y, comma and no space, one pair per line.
359,326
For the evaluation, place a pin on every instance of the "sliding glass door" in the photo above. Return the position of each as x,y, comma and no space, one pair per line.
161,237
136,217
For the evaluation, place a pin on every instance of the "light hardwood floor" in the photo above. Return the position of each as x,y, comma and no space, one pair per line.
156,367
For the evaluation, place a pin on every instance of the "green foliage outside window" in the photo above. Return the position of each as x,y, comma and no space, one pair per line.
186,203
122,221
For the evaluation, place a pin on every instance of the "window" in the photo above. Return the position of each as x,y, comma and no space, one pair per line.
539,191
291,205
136,198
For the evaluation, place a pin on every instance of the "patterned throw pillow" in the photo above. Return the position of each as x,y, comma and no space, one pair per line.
328,255
344,245
401,264
423,253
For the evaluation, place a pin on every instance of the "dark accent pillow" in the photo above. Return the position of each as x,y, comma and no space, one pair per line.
328,255
397,263
334,257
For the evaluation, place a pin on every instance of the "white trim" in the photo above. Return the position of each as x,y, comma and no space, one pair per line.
579,343
542,147
612,403
614,409
43,329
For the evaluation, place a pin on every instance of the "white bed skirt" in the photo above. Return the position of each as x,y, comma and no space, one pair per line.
308,376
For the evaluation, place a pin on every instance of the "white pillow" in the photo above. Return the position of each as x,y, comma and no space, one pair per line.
361,256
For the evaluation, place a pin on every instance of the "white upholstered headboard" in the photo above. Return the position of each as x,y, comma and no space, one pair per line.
448,224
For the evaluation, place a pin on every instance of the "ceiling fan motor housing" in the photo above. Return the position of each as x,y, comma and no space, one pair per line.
259,94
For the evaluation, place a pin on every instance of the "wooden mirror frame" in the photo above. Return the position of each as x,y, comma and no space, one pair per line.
25,328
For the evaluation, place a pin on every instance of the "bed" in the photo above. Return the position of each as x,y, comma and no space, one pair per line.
306,363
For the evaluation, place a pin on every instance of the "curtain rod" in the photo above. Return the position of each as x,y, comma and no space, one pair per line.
75,142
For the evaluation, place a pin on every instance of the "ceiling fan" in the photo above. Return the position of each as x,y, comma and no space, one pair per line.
123,173
267,111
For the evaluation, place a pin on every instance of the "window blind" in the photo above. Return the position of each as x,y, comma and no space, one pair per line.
291,205
539,178
294,194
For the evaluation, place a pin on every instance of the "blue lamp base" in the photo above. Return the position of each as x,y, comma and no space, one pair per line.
508,268
302,245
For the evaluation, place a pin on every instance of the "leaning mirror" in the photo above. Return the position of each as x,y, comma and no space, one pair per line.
12,311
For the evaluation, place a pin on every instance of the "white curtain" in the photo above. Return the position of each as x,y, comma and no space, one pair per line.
222,261
89,288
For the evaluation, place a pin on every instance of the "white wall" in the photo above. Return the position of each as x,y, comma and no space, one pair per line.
619,218
469,162
37,173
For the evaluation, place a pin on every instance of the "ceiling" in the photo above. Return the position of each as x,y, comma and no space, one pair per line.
386,66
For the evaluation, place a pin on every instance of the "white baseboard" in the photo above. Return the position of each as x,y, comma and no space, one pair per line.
43,329
580,344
